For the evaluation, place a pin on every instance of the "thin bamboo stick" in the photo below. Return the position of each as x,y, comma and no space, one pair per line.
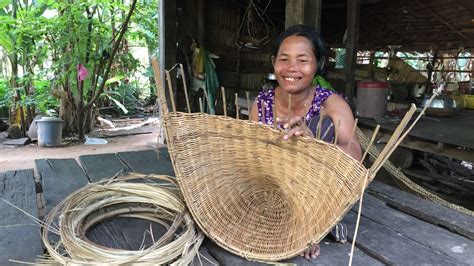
396,134
160,89
289,108
209,104
185,86
359,212
262,103
400,139
224,103
237,106
170,88
336,131
201,105
372,139
318,126
247,94
327,130
275,126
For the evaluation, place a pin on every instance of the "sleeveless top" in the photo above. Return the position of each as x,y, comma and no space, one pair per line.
266,99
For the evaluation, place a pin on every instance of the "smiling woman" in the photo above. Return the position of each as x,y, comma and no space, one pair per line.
298,106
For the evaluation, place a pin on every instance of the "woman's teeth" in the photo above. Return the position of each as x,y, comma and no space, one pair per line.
291,79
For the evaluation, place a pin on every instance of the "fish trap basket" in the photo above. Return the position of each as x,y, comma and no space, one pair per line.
255,194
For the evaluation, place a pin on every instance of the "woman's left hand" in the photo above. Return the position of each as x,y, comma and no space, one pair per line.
294,127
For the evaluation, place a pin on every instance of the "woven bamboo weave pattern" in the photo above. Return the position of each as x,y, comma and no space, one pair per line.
255,194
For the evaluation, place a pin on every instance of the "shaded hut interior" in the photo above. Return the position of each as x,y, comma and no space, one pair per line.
240,34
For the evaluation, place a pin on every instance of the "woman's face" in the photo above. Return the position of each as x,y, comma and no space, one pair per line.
295,64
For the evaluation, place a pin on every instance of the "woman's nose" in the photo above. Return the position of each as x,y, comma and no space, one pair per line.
293,65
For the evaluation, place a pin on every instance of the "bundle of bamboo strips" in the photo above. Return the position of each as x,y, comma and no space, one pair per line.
149,200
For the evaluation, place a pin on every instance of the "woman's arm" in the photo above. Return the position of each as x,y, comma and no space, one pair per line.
338,109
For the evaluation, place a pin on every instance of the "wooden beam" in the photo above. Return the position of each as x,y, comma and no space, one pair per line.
294,12
353,12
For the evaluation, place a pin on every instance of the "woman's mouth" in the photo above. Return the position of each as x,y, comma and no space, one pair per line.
291,79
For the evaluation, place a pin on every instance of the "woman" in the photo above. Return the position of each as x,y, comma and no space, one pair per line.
298,56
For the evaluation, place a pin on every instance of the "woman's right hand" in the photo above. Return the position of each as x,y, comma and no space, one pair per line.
294,127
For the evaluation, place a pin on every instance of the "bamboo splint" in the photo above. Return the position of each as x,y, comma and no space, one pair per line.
253,193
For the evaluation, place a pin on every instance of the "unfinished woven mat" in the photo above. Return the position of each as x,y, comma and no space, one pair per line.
253,193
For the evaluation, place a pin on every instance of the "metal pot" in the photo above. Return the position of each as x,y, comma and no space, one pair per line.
442,105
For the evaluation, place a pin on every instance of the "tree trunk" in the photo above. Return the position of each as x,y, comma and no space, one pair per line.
67,110
89,120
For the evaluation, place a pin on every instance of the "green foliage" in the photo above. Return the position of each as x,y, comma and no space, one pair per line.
127,94
44,99
67,33
5,94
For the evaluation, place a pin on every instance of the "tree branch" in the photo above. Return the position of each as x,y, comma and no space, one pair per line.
112,55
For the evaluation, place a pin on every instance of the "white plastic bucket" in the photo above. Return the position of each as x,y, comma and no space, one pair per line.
50,130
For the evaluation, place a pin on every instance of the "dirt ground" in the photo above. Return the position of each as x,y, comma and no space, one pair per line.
14,158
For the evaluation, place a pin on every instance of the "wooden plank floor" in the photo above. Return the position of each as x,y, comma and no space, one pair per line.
19,234
424,209
99,166
396,227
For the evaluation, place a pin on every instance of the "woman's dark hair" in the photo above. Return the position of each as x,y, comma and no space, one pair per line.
310,34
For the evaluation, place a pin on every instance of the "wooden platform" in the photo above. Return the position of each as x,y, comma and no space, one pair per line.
396,227
440,135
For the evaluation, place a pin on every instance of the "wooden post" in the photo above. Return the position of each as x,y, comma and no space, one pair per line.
201,20
294,12
353,10
307,12
371,64
170,41
312,14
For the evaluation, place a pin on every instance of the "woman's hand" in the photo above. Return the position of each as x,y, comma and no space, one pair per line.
294,127
312,252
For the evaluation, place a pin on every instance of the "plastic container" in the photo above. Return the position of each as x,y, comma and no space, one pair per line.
50,130
371,99
469,101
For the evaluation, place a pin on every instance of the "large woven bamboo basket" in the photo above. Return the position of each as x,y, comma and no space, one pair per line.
255,194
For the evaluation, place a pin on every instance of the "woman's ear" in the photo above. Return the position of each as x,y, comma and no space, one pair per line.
273,60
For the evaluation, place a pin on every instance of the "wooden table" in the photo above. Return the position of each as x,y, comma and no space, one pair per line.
396,227
449,136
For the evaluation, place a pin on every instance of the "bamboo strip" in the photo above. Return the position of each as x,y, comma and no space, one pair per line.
185,86
206,96
170,88
201,105
248,103
224,103
109,198
237,111
391,142
376,131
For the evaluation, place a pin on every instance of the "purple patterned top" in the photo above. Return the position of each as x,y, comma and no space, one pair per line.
268,98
